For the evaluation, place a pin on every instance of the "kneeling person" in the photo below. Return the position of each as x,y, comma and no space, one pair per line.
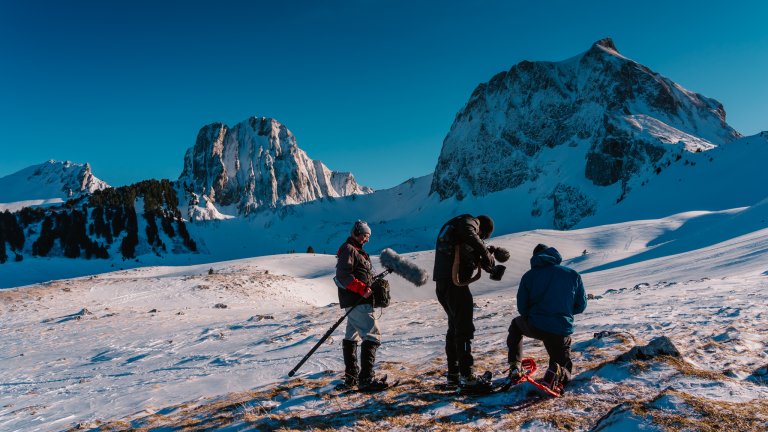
549,296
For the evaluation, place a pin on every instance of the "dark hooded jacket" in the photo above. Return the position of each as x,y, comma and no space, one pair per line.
354,273
550,294
463,230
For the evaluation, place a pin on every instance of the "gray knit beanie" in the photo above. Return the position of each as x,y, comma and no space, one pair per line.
360,227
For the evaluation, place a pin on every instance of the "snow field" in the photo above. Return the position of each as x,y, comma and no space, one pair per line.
155,346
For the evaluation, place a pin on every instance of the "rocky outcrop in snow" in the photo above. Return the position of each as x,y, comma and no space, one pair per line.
659,346
570,205
203,211
256,164
599,117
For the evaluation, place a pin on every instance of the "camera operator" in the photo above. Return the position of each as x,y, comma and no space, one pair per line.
458,253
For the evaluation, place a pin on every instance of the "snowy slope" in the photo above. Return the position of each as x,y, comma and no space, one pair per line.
406,218
48,183
154,350
725,177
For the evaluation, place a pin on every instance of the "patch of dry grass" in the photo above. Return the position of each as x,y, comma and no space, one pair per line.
416,404
705,415
686,368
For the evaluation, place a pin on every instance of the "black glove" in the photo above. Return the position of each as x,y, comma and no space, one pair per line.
487,260
501,254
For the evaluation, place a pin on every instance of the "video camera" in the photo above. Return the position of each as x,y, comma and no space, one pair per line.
496,272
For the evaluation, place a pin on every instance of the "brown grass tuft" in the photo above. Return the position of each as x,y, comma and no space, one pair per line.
687,369
708,415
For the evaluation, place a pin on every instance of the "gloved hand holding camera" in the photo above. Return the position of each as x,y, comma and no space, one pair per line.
496,271
501,254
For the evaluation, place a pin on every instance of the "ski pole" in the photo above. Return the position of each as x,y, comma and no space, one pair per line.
330,331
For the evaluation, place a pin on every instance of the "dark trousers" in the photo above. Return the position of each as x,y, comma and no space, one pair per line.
558,347
459,306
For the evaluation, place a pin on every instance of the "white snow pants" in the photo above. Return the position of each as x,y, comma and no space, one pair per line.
362,324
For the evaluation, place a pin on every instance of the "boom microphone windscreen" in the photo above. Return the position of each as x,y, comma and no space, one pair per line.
406,269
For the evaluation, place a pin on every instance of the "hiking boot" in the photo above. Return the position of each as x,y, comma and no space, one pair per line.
552,378
367,380
452,379
373,384
472,383
349,383
351,371
515,372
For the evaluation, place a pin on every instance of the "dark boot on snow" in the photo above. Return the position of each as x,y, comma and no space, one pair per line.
368,380
351,371
553,378
515,372
471,383
452,379
373,384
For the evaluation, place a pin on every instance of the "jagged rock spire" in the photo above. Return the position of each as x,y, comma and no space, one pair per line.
257,164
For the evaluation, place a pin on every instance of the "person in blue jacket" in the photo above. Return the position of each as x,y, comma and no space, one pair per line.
549,296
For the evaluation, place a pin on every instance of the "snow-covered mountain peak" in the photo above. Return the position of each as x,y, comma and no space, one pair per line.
606,45
49,182
256,164
75,178
573,130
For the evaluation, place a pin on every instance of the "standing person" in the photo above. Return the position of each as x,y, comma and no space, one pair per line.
354,275
549,296
458,253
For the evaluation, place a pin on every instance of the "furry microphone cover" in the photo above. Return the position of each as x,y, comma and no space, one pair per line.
406,269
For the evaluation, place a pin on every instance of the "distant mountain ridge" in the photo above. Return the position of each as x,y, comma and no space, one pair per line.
599,116
49,182
596,139
256,164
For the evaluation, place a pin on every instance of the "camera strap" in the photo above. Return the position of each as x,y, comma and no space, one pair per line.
455,270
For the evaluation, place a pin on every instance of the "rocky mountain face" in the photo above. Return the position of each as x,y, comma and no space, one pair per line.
50,180
599,117
257,164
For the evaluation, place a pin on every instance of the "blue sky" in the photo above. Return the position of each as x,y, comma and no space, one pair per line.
366,86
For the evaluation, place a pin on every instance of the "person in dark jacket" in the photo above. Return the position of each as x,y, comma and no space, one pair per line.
549,296
459,252
354,275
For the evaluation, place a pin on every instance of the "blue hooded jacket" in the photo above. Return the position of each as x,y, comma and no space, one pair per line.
550,294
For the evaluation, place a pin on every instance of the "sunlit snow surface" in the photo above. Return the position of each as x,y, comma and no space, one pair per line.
145,346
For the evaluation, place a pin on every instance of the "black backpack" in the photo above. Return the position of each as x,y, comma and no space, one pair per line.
381,296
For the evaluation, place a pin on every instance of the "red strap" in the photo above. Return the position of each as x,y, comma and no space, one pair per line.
541,386
529,366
